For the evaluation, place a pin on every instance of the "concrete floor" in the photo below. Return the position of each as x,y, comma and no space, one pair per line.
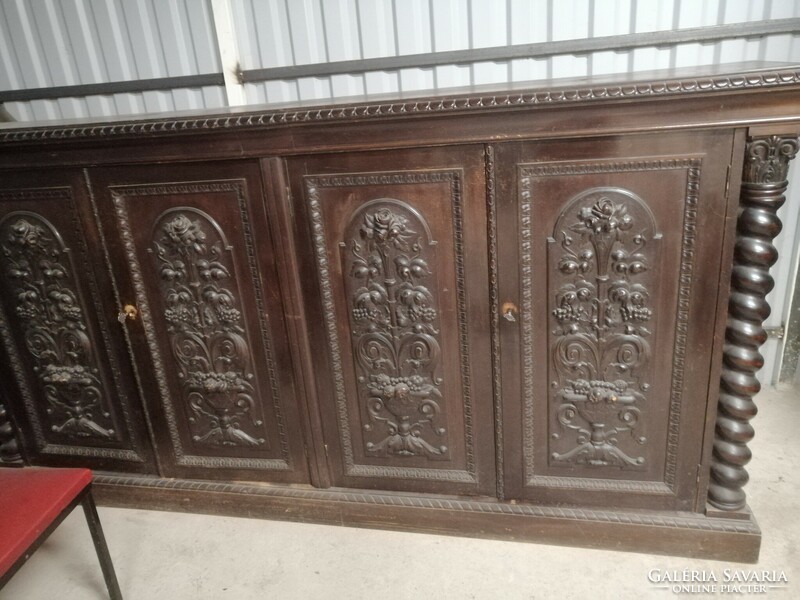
175,556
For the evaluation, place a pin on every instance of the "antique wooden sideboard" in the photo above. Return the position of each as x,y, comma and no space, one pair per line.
526,314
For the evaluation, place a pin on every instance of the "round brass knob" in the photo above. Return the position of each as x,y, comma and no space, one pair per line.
510,311
129,311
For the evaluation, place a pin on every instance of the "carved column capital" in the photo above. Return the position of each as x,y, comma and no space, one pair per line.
767,159
764,181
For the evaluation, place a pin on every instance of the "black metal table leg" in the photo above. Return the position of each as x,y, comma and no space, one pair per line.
90,510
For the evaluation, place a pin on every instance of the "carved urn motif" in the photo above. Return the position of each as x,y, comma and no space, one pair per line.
601,352
396,331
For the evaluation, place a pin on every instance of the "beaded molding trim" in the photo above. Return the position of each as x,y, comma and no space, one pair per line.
453,104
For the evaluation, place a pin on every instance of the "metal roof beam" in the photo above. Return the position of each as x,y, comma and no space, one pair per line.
538,50
233,79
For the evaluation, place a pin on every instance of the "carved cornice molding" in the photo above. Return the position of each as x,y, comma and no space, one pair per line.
445,105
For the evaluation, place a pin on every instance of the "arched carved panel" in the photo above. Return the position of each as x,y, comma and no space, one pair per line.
602,255
199,255
609,324
401,321
391,285
43,298
203,316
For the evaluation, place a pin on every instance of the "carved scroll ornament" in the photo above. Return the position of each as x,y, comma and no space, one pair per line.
205,327
36,265
395,324
601,317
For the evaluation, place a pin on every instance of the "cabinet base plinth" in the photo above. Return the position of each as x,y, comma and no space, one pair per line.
743,514
656,532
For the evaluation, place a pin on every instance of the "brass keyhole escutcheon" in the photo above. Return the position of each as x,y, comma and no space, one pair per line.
129,311
509,311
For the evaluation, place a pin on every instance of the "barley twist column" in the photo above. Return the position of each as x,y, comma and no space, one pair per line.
9,451
764,182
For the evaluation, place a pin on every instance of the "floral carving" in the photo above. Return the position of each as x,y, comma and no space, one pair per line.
395,328
206,335
601,315
37,267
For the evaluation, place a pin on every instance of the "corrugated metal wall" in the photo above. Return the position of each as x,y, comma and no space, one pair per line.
286,32
45,43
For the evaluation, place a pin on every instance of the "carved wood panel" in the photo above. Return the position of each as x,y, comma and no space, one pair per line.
609,256
204,321
41,278
202,274
399,294
394,318
602,256
67,370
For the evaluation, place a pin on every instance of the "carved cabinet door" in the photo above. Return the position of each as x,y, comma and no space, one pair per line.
64,369
613,249
194,253
397,303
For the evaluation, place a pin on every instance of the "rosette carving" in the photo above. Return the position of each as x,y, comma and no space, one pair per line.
38,270
395,324
601,316
204,322
763,186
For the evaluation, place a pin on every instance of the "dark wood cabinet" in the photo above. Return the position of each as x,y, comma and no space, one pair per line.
196,256
496,313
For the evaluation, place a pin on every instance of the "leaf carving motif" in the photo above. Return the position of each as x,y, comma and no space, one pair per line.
395,325
37,268
206,334
601,314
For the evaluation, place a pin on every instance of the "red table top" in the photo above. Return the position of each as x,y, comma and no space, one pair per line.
30,500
